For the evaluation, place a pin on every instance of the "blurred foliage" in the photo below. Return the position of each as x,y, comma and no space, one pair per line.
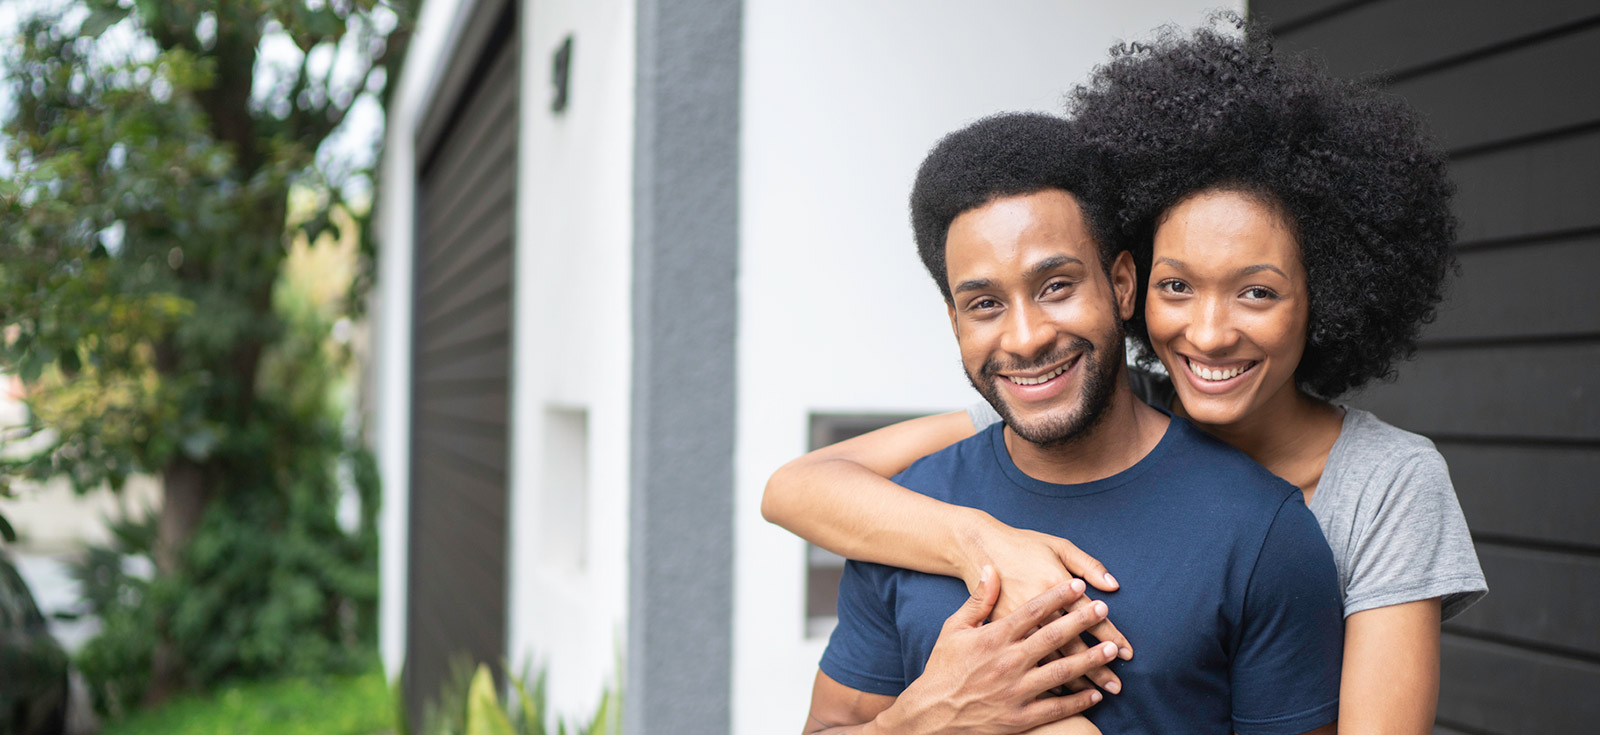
165,169
469,705
323,705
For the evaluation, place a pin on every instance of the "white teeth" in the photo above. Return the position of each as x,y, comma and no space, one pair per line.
1206,373
1041,378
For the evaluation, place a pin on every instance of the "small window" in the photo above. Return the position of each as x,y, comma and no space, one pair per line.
564,494
824,568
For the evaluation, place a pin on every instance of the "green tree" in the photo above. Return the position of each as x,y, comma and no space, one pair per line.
143,232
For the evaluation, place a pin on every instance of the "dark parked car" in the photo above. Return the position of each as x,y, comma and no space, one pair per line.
33,668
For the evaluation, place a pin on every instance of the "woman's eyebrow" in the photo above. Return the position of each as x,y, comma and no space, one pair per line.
1259,267
1245,271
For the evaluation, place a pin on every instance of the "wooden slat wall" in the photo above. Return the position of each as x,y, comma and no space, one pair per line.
462,361
1508,379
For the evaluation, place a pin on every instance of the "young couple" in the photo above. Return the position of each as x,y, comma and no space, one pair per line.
1275,238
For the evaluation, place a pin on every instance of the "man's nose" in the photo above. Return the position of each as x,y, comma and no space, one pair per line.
1029,332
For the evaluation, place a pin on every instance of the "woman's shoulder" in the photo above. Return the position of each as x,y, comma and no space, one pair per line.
1376,467
1390,513
1368,441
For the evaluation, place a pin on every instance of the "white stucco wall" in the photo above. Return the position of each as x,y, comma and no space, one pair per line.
571,339
572,348
841,100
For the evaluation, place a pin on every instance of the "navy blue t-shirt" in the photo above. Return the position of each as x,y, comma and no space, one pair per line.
1228,590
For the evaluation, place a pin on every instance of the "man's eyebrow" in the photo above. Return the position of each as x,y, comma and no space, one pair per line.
976,284
1245,271
1049,264
1044,266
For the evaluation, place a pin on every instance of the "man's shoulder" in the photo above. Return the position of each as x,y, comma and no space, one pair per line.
1200,460
965,459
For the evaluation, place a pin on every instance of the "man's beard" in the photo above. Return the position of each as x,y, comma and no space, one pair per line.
1099,383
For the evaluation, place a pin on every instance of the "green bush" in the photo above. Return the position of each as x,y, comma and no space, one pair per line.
270,583
334,705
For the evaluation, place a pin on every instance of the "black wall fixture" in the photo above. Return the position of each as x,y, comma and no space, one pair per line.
560,74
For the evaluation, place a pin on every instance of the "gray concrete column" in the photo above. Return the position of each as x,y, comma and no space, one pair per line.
685,308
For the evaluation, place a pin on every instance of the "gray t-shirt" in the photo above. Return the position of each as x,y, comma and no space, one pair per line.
1390,514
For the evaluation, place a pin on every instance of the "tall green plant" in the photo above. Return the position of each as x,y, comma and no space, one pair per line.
143,233
469,705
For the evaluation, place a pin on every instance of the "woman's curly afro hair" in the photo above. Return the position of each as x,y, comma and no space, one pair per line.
1350,167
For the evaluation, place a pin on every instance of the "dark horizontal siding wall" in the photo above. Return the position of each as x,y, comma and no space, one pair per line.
1508,380
456,604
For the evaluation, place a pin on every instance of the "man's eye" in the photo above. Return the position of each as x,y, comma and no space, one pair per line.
981,304
1056,286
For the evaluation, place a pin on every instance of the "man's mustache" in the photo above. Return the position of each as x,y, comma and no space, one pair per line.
993,368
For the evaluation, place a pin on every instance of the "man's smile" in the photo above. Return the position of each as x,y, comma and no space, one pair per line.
1044,378
1038,385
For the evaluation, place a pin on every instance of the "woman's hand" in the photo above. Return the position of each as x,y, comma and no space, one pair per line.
1030,563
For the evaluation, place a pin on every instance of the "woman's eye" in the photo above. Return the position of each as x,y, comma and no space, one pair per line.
1173,286
1260,293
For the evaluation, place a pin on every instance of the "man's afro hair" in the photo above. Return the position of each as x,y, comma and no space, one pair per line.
1009,154
1351,168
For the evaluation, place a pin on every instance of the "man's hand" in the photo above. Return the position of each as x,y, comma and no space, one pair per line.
1032,562
988,678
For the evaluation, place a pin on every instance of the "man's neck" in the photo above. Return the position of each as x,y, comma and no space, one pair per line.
1126,432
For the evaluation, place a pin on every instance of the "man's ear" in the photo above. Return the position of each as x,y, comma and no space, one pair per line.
1125,283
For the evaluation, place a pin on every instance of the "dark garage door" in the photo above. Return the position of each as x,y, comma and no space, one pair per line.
456,604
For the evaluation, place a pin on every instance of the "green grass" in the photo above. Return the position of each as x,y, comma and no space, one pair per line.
330,705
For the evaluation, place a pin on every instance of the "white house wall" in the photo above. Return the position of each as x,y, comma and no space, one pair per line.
571,350
841,99
570,356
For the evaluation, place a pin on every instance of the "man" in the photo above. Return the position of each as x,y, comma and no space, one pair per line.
1227,584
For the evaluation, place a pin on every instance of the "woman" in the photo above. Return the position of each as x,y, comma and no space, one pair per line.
1293,235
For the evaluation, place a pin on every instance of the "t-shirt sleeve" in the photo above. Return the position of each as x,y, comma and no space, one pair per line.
864,650
1290,639
1416,545
982,415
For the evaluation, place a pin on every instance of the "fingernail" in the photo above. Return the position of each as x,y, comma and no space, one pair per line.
1077,585
1110,579
1100,609
1094,696
1115,687
986,574
1127,653
1110,649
